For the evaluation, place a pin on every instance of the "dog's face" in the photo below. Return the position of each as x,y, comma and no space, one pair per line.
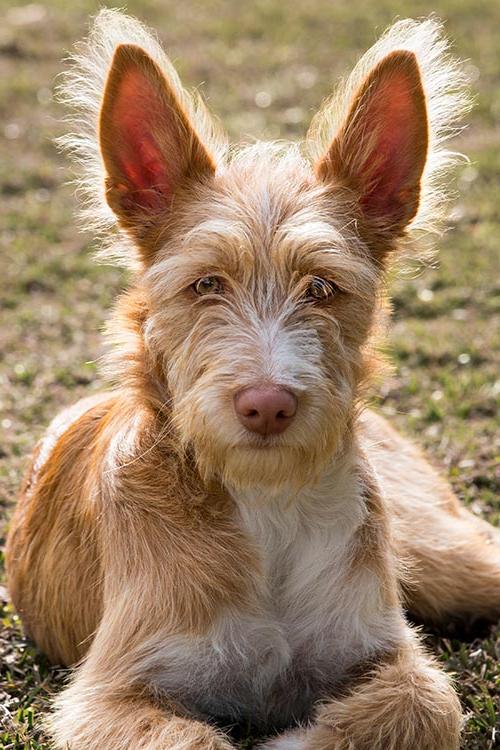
261,303
262,274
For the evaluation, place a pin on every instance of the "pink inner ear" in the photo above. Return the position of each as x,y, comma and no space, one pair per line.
138,113
392,164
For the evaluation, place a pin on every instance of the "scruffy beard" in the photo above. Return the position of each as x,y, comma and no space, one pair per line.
273,466
273,469
224,451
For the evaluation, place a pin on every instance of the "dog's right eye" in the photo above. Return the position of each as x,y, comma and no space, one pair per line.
208,285
320,290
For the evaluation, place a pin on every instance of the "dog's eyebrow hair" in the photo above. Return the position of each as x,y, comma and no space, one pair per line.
301,231
298,231
319,246
220,230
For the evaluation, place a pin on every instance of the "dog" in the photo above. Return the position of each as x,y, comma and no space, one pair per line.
229,535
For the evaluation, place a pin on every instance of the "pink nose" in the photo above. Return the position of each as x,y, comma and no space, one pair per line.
266,410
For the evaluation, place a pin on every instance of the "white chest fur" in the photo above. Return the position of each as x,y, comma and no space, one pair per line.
309,625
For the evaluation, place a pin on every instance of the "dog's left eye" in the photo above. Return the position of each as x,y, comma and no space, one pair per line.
208,285
319,290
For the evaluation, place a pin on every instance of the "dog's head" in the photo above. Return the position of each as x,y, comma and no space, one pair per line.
261,266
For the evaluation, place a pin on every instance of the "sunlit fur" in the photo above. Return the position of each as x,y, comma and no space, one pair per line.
259,188
81,87
444,80
192,570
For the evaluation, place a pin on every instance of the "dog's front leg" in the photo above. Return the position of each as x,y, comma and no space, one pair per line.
406,703
100,711
113,701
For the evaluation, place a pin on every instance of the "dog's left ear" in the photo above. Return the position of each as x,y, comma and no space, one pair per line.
380,150
149,147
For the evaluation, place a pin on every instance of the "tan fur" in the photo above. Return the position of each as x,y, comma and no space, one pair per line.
53,532
195,570
372,548
395,708
453,556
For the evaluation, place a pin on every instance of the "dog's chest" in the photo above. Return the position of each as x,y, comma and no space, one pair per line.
305,627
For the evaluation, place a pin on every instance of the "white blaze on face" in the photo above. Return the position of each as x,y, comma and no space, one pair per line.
262,352
284,355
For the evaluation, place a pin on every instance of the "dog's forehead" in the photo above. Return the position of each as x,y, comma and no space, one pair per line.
264,198
264,217
265,185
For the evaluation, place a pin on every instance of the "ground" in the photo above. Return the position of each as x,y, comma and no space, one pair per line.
264,66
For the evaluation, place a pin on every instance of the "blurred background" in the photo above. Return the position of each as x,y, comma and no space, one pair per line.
264,66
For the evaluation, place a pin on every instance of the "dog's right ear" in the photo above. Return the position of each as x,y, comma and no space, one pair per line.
380,150
149,147
380,137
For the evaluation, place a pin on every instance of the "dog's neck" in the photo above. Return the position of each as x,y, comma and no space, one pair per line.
335,498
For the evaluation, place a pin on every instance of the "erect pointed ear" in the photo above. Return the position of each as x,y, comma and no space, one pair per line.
148,145
381,148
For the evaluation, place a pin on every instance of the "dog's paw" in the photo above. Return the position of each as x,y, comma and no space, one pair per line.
294,740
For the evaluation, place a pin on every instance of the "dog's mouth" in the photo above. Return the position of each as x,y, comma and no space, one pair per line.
260,442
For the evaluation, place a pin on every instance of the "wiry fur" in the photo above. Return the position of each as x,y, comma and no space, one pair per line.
371,716
197,571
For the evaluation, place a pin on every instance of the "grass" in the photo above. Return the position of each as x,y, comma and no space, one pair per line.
265,66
